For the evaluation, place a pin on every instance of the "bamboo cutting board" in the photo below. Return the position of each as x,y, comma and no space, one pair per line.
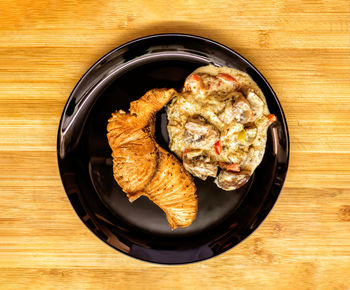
301,47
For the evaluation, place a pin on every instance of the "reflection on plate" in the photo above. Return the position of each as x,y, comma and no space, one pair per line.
140,229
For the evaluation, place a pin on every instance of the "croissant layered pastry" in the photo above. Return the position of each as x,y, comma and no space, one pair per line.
142,167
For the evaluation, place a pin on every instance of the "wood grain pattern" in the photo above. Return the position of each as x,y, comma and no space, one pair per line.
302,48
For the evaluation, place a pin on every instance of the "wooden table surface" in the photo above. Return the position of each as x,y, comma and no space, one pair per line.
301,47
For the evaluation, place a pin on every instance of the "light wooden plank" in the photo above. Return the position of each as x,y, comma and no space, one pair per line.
302,47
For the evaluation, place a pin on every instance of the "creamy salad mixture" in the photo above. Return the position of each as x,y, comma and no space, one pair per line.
217,125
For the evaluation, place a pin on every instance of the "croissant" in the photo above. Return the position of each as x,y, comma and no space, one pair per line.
142,167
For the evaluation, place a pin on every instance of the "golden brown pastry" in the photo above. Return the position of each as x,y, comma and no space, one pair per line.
134,154
142,167
173,190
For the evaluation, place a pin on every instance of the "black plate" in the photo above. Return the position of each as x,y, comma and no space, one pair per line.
140,229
